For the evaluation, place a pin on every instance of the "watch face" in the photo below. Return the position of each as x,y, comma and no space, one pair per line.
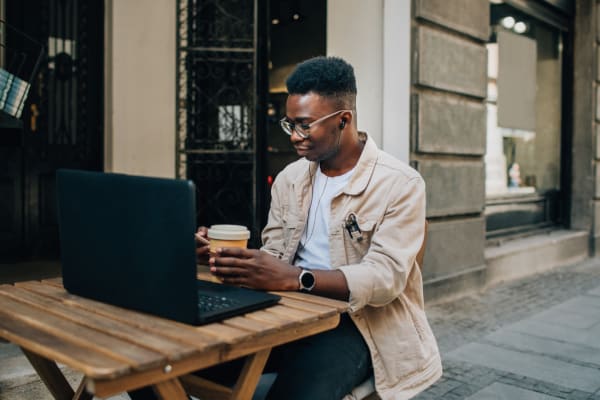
307,279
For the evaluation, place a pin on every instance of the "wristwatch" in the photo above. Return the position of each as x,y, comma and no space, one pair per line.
306,280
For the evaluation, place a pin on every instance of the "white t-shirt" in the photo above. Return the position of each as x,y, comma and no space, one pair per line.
313,251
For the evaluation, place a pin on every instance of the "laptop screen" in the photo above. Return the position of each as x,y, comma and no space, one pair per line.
129,241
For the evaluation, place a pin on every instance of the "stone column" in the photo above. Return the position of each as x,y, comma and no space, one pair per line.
449,137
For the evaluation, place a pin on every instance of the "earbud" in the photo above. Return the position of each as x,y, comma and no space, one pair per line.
343,124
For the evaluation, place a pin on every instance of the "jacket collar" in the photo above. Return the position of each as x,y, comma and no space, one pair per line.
364,167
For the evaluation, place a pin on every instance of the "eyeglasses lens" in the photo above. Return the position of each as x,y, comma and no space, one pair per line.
289,127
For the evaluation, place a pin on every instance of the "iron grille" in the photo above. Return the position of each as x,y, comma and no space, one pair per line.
217,105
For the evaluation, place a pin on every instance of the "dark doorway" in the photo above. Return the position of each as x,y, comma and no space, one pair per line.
298,30
61,124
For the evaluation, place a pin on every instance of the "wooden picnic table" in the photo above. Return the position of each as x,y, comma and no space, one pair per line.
118,350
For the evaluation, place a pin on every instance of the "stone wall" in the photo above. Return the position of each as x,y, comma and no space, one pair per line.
584,99
448,131
587,15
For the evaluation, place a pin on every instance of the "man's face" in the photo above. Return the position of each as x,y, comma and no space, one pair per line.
324,137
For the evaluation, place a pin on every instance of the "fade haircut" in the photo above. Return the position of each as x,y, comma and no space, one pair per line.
329,77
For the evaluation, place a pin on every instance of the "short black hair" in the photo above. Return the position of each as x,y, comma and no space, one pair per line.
325,76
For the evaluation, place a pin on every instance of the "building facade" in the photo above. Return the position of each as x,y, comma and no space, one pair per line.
495,103
487,98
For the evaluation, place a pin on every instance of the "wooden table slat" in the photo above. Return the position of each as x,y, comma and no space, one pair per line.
270,317
227,333
156,343
94,340
150,323
57,282
281,337
55,348
310,307
296,313
136,379
340,306
244,323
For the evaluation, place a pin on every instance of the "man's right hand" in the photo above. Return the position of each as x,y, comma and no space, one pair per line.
202,245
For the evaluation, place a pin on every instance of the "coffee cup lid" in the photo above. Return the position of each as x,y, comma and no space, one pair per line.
228,232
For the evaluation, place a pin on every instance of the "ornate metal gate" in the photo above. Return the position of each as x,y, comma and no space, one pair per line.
62,121
221,88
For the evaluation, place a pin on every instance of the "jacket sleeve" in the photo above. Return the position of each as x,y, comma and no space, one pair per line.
382,274
272,234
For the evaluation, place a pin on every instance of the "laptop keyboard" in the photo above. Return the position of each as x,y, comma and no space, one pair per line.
208,303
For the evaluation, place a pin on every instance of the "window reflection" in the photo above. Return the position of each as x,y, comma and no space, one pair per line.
523,122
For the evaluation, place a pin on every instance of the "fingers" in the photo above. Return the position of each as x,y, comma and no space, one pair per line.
202,245
235,252
234,280
202,250
233,266
201,235
230,275
227,272
227,267
201,239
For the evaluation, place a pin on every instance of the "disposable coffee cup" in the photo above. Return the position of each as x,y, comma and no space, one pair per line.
228,236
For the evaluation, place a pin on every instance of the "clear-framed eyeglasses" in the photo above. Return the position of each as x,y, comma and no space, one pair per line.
303,130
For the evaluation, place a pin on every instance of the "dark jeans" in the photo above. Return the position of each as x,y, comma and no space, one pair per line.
326,366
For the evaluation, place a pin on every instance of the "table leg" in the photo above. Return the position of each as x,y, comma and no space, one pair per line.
170,390
251,372
81,393
51,375
244,387
205,389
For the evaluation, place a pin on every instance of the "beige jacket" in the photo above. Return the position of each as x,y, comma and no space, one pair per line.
386,289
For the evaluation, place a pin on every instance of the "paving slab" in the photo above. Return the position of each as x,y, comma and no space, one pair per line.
500,391
585,305
12,368
534,366
563,316
594,292
529,343
478,317
8,350
588,337
38,391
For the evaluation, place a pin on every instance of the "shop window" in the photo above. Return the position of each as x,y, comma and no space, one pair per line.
524,123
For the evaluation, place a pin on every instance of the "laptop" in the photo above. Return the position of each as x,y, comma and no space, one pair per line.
129,241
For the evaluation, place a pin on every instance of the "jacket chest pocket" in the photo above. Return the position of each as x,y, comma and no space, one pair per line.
291,224
358,241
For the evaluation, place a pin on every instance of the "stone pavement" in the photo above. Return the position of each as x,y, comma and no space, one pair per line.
532,339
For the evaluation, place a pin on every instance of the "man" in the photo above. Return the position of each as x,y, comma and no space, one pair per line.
346,221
